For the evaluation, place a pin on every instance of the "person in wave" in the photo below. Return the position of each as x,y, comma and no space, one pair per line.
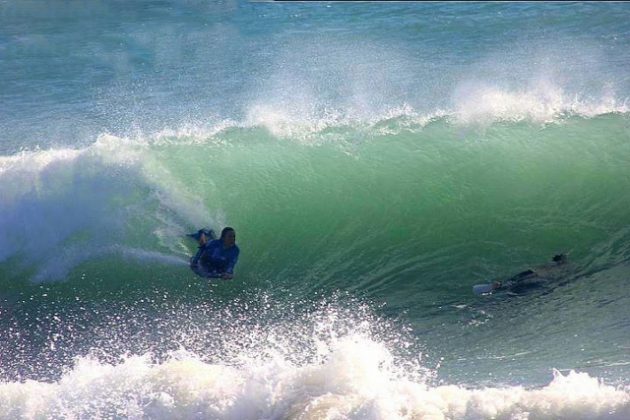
215,258
533,277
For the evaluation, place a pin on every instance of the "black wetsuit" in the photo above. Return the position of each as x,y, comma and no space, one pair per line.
518,283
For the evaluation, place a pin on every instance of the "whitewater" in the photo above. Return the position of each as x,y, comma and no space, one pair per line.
377,160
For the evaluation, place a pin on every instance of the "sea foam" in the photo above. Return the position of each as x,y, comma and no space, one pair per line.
356,379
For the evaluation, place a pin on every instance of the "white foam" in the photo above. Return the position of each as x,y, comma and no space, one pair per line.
295,123
357,378
62,207
35,161
541,103
473,104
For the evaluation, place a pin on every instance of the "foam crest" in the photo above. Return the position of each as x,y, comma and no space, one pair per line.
286,123
191,133
543,103
35,161
355,381
472,105
337,125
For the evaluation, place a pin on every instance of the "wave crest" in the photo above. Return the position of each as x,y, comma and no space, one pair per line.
354,382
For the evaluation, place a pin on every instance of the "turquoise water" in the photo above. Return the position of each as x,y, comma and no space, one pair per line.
377,161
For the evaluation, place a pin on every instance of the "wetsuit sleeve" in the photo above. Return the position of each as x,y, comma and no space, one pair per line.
232,262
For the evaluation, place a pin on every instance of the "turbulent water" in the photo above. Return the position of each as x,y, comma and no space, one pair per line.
376,160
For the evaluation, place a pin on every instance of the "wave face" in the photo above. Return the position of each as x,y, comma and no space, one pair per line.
373,176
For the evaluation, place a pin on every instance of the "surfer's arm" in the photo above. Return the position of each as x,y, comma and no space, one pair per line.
229,271
195,260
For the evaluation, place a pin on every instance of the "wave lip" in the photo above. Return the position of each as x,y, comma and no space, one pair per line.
542,104
472,105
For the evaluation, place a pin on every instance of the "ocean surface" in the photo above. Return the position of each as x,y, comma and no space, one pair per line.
377,160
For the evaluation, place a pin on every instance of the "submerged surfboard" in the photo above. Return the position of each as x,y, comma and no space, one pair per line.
482,289
201,272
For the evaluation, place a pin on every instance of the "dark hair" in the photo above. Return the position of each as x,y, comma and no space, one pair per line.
225,231
558,258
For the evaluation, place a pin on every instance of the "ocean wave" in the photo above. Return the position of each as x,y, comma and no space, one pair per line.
159,185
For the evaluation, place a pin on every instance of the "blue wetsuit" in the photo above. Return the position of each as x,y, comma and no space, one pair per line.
215,260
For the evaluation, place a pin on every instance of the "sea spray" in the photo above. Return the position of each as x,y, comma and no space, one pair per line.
353,382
